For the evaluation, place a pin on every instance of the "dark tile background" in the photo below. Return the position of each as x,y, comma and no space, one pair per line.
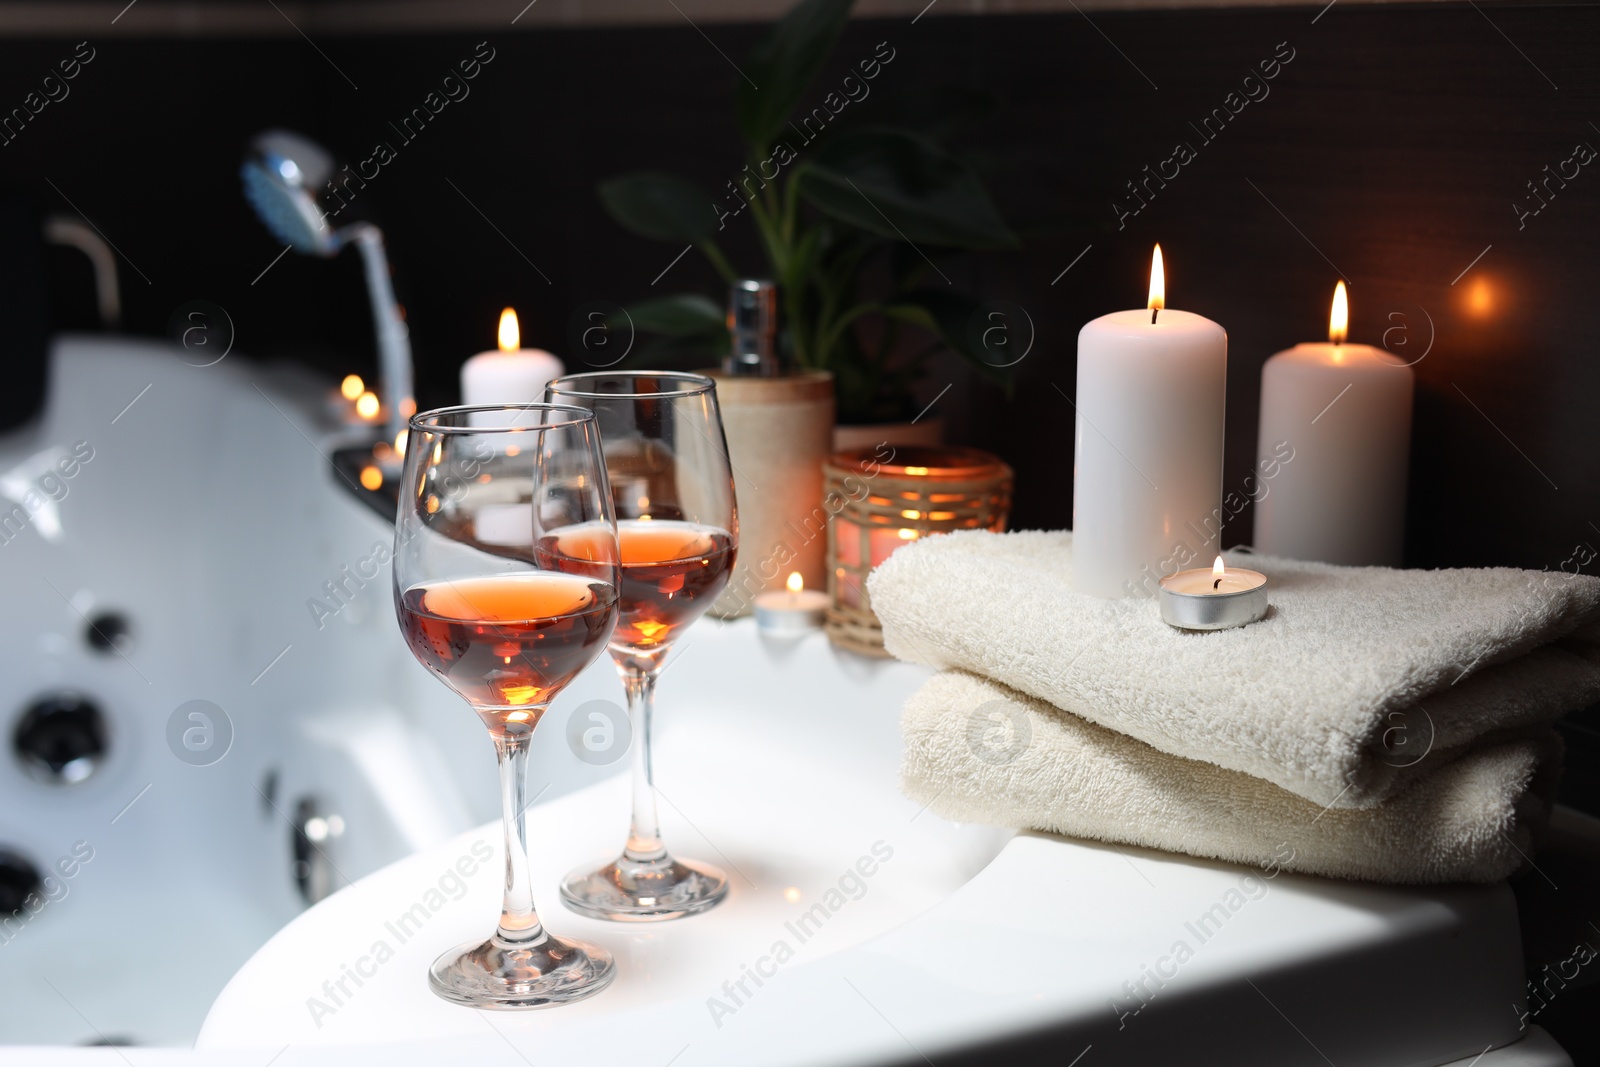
1394,145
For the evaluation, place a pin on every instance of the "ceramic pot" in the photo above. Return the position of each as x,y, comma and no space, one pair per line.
779,431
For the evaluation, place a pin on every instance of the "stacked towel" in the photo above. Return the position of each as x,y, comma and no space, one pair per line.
1408,712
977,751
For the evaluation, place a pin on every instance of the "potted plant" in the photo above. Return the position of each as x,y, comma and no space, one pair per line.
853,221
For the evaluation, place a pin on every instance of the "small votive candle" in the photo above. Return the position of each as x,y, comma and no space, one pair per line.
1216,599
792,611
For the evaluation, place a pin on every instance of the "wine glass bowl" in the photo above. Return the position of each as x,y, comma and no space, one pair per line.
508,644
677,532
671,572
482,487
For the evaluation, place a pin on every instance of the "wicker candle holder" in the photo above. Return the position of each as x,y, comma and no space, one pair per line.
880,498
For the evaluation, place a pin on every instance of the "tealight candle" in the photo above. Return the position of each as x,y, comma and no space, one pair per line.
792,611
1216,599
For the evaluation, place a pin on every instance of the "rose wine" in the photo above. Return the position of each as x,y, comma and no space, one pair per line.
508,643
671,572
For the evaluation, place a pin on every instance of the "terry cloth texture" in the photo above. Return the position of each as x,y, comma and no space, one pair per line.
1321,697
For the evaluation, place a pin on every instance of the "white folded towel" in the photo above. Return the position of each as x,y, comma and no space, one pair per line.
976,751
1321,697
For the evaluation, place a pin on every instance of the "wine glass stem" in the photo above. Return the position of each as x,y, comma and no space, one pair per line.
519,923
644,837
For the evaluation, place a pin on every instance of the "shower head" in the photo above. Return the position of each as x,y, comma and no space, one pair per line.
281,173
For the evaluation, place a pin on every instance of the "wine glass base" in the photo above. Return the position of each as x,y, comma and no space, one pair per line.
499,975
628,890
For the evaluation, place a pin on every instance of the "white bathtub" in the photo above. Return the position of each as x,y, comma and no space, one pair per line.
207,515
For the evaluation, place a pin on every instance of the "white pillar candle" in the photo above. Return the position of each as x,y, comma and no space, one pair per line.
1342,412
512,375
1147,479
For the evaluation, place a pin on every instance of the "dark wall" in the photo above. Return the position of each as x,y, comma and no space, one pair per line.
1393,144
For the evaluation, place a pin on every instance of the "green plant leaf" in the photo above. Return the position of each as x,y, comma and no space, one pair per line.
781,67
898,185
966,325
660,206
683,315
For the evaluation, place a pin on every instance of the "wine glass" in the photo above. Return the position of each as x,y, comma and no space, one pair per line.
677,528
482,485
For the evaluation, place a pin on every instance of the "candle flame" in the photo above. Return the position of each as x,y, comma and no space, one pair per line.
1158,281
1339,319
367,405
795,583
510,334
352,386
1217,569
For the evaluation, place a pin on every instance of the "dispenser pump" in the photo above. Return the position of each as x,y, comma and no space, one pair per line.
752,328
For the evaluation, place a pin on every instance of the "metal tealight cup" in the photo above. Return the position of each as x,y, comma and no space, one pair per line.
1212,611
